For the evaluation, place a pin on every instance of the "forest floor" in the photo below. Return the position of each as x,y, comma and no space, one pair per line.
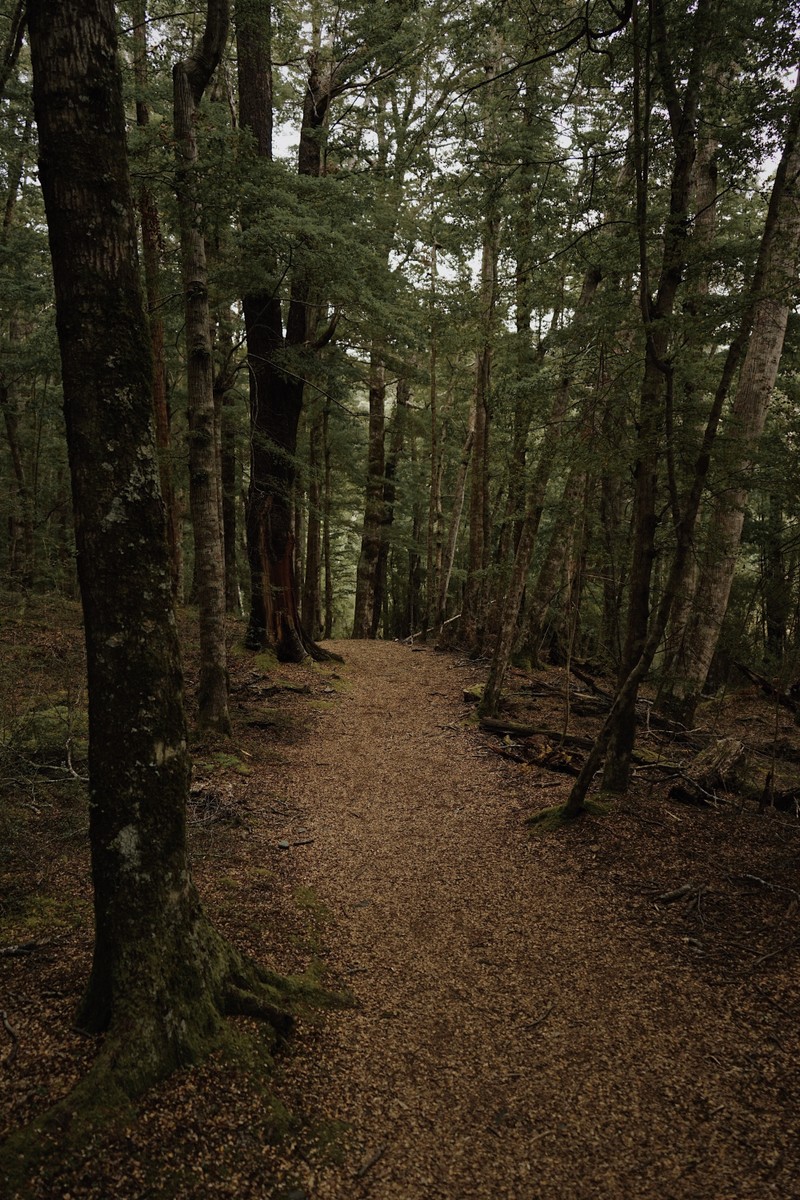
607,1011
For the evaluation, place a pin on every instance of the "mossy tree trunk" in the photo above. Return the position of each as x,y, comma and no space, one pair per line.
161,978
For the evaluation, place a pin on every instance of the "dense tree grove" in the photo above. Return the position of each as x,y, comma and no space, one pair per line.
459,284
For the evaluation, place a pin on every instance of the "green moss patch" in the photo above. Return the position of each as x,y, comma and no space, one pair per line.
548,820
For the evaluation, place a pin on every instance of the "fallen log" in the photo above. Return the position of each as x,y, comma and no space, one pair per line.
516,729
781,697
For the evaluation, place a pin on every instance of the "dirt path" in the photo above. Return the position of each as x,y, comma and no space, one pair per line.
515,1037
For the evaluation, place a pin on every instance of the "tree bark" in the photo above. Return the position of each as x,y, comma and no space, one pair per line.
512,602
470,627
783,207
276,397
191,77
748,415
366,577
658,370
151,261
380,598
312,596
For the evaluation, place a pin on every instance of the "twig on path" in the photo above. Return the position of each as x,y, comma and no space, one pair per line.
12,1033
677,894
370,1162
774,953
539,1020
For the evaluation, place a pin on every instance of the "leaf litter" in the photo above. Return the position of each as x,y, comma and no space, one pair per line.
607,1011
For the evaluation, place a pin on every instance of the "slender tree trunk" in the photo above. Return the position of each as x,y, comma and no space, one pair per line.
151,256
326,519
434,539
533,514
190,80
389,489
366,578
472,611
459,494
312,598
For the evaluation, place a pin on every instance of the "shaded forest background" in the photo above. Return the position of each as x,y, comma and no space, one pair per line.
512,249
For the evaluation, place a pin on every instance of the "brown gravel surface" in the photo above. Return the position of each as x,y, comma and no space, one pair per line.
516,1035
530,1022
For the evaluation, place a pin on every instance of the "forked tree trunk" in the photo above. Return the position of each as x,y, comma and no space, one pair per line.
654,396
276,397
190,80
161,978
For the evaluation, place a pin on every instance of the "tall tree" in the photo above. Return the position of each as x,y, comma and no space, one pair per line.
162,978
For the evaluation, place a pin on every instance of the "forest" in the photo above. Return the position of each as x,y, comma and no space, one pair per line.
460,330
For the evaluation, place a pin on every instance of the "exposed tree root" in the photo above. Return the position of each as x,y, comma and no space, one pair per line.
547,820
145,1043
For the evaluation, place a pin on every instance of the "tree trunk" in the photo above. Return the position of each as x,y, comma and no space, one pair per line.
151,257
161,977
546,586
657,381
512,602
366,577
380,600
470,628
771,303
782,218
326,520
190,80
433,566
276,398
312,598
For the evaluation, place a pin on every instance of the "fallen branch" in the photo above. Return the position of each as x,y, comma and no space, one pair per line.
496,725
18,951
369,1163
782,698
677,894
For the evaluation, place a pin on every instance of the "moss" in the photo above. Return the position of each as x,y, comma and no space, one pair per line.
221,761
322,705
548,820
45,734
265,661
37,915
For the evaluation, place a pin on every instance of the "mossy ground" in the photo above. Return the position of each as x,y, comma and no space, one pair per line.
548,820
